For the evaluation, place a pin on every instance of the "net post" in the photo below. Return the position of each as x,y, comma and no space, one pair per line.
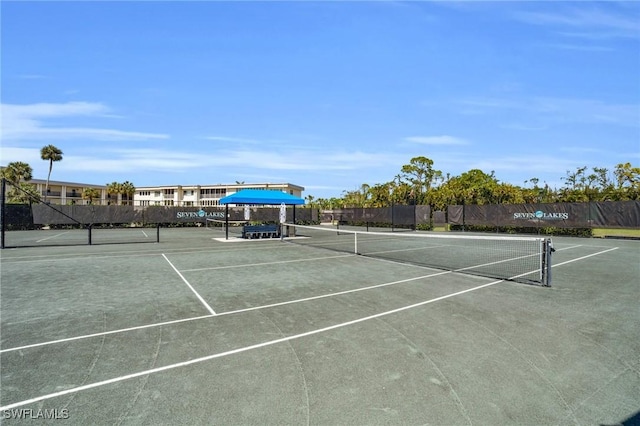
355,242
89,231
546,262
157,233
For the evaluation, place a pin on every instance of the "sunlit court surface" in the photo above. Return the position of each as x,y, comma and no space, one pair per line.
197,329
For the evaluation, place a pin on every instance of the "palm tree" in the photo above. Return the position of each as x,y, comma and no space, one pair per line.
23,193
52,154
16,172
128,189
114,188
90,194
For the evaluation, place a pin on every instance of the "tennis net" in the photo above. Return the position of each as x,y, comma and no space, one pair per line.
522,259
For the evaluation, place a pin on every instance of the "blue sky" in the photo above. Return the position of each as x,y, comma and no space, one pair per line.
326,95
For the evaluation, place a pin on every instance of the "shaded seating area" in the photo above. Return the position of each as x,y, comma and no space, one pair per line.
261,197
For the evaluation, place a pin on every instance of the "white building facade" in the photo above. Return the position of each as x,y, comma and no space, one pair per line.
69,192
170,195
202,195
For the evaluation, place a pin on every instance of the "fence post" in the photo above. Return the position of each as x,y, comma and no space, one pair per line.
2,212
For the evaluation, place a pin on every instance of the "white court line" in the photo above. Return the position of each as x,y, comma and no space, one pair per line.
105,333
583,257
272,305
247,265
236,351
206,305
144,233
261,345
322,296
53,236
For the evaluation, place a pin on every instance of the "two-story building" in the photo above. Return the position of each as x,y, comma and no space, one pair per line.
69,192
202,195
166,195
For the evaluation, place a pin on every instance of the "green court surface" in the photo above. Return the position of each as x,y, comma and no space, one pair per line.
196,330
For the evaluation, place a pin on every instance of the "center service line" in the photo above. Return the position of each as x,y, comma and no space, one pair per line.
206,305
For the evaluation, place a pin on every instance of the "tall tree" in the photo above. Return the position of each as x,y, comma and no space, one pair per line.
50,153
17,171
421,175
628,180
90,194
17,175
114,188
128,189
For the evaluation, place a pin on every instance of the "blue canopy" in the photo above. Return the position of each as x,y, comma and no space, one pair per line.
261,196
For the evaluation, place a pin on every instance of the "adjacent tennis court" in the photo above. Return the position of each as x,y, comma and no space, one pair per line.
197,329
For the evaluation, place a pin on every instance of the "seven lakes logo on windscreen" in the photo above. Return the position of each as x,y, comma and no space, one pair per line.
199,214
542,215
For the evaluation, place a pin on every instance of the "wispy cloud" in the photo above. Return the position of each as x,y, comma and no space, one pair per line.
586,22
437,140
532,163
558,110
579,47
303,160
153,160
232,139
10,154
30,122
523,127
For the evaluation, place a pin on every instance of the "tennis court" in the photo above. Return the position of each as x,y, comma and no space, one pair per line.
199,330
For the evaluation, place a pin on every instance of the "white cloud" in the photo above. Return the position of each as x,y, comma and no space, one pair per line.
591,22
232,139
534,164
437,140
139,160
310,160
29,122
544,110
12,154
54,110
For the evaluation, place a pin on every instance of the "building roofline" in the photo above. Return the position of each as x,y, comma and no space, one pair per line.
227,185
58,182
